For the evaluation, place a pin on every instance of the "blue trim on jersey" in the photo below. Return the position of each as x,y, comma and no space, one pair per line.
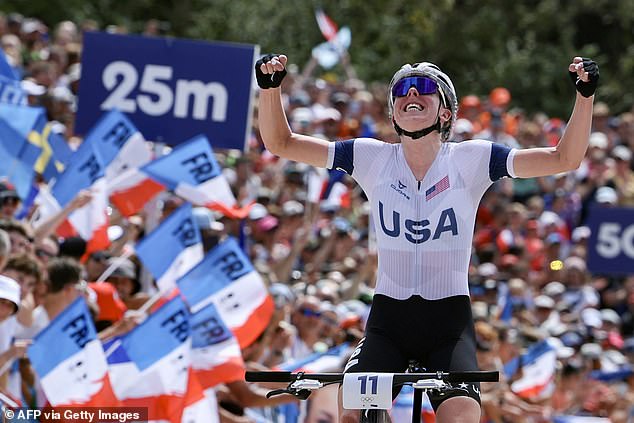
497,163
344,156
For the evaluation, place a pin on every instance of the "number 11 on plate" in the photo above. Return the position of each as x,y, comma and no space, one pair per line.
367,391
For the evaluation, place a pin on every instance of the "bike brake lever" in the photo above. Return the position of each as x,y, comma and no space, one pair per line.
277,392
301,394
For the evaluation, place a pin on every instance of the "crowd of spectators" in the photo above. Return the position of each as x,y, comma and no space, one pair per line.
529,276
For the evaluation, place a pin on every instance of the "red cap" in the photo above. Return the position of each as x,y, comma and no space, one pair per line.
500,96
111,307
470,101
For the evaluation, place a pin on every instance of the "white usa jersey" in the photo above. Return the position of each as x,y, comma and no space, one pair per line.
424,229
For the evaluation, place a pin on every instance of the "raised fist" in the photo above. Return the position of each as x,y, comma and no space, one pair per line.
270,70
584,74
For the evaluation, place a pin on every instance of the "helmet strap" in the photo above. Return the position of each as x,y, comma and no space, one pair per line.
422,132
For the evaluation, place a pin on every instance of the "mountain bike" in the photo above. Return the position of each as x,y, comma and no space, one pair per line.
372,392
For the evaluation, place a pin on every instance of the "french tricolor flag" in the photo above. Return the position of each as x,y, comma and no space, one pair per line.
327,26
172,249
124,373
85,171
192,172
328,187
539,365
216,355
227,279
157,373
131,190
124,150
70,361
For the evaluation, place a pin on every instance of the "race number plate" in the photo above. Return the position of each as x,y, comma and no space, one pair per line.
367,391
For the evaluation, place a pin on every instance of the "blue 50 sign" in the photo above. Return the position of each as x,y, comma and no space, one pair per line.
171,89
611,248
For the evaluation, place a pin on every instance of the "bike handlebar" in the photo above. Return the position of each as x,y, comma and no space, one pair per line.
399,378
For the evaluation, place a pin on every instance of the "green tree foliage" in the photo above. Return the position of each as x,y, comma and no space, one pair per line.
524,45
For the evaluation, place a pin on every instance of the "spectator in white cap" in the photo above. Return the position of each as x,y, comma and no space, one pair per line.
124,279
580,234
291,219
302,119
463,130
598,140
9,297
258,211
593,165
623,175
591,318
579,294
606,197
547,318
9,306
554,289
611,319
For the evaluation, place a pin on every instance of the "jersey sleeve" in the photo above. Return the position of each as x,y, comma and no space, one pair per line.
482,162
357,157
501,162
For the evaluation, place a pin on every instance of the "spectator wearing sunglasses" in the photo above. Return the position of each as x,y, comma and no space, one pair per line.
9,201
96,264
307,319
424,193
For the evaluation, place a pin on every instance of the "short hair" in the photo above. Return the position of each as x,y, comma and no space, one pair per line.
12,225
5,243
62,271
25,263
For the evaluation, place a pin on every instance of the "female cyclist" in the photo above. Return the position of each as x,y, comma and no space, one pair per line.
424,193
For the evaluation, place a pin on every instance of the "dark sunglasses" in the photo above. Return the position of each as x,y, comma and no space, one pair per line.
10,201
422,84
309,313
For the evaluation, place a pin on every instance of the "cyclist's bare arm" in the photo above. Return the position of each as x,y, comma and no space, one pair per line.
571,149
275,130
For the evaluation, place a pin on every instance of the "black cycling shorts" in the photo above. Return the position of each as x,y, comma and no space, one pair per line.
437,333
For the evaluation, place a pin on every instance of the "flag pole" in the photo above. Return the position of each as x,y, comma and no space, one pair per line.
114,265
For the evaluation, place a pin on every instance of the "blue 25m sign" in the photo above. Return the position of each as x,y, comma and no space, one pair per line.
171,89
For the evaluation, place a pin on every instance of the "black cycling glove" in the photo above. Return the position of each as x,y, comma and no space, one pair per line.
266,80
587,89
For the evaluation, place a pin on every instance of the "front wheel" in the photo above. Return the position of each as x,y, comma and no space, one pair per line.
375,416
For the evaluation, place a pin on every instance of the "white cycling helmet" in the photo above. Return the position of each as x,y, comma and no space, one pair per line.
447,93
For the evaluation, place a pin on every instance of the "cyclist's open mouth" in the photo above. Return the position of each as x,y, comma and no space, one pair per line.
414,107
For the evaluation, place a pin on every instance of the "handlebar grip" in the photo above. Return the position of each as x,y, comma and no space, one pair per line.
474,376
268,376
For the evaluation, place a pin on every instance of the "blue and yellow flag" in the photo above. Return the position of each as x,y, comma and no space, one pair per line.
43,149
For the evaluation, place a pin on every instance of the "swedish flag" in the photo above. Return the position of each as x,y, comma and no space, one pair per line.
43,149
